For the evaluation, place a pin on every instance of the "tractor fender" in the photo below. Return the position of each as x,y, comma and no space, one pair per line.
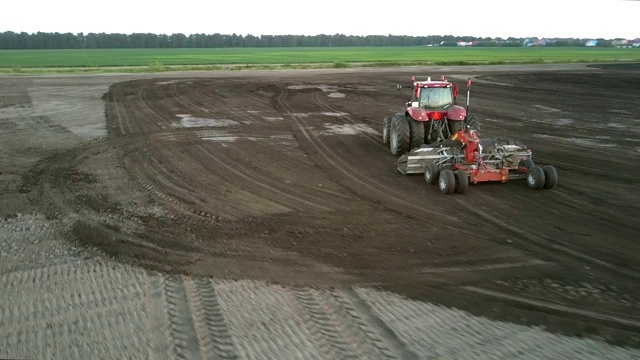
456,112
417,113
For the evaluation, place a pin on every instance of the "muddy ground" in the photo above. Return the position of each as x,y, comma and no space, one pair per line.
283,177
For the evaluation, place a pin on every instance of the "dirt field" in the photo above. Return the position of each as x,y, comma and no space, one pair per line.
283,177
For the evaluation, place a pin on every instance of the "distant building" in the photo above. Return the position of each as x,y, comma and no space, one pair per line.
591,43
619,42
534,42
467,43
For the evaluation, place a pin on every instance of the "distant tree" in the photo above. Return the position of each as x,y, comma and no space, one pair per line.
40,40
486,44
251,41
138,41
91,41
9,40
178,40
197,41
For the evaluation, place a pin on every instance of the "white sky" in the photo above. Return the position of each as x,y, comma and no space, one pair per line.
484,18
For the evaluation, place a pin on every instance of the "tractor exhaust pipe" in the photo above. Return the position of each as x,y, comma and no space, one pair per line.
468,93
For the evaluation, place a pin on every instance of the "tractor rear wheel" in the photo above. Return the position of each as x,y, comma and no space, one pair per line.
431,173
446,181
535,178
455,126
417,133
550,176
400,135
472,122
386,128
462,181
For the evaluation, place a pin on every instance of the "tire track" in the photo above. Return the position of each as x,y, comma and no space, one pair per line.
386,197
58,201
213,318
141,119
121,115
164,123
634,323
553,247
205,337
325,328
158,319
230,104
376,331
373,139
260,182
98,296
140,143
238,98
181,325
581,150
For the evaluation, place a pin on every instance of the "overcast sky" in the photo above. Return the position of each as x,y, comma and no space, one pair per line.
485,18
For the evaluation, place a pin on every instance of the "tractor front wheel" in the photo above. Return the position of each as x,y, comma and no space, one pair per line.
400,135
446,181
535,178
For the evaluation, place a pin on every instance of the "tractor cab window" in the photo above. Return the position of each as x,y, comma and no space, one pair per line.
436,98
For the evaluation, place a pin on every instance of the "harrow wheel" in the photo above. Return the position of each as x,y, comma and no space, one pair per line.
550,176
535,178
386,129
527,163
431,173
400,135
462,181
446,181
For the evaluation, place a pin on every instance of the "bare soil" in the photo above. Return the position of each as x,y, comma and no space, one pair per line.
283,177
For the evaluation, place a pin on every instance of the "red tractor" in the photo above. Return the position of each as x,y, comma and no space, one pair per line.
437,138
430,115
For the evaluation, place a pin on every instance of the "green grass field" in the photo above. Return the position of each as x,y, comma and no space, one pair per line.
103,60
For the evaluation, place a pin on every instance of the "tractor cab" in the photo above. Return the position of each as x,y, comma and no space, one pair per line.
432,95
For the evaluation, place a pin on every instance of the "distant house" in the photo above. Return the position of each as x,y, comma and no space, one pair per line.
467,43
619,42
591,43
534,42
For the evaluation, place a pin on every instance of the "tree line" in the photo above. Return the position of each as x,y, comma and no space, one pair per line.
42,40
